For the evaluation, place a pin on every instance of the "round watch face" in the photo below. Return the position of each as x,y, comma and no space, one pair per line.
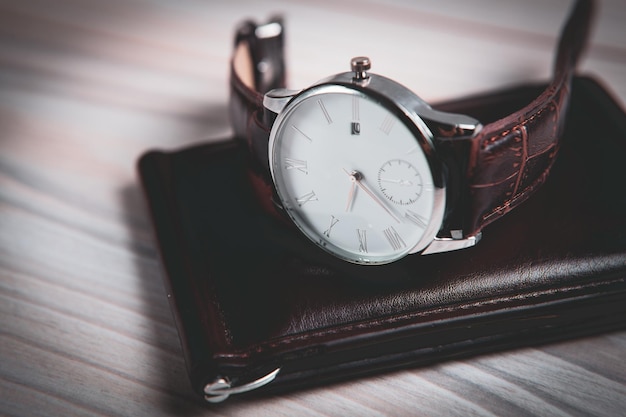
352,176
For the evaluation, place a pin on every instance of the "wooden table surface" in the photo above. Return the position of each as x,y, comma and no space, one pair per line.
87,86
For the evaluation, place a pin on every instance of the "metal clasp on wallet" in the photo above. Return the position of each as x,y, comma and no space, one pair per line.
220,389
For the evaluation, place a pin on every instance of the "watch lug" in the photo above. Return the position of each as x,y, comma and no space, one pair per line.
276,100
447,244
449,125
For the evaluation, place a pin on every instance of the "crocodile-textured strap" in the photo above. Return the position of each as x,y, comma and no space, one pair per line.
507,161
257,66
511,157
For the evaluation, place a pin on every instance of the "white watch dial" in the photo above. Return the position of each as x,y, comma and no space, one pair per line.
352,176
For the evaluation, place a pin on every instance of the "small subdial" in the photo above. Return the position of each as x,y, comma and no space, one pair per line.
400,182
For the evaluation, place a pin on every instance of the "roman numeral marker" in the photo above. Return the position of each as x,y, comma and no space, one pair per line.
355,108
333,222
387,124
412,150
419,220
298,164
394,238
302,133
306,198
362,235
326,115
355,126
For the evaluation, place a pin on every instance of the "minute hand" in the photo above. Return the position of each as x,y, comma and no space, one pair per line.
376,199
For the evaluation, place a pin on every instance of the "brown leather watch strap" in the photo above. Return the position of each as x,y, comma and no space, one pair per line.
511,157
507,160
257,66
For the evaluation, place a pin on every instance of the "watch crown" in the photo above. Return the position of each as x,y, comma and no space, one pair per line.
360,65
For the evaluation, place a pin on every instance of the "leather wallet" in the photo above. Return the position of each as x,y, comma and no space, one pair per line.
259,308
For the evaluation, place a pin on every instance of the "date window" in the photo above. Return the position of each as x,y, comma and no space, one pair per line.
355,128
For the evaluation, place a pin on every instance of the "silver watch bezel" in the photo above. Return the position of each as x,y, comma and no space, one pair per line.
406,106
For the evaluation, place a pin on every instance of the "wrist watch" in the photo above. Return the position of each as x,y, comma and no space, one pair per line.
370,172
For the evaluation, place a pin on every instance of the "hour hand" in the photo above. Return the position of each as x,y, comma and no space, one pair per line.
351,194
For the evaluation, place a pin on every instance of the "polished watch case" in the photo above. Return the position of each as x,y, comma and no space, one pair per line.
418,116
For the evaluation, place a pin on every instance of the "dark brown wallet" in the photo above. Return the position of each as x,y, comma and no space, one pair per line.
260,309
